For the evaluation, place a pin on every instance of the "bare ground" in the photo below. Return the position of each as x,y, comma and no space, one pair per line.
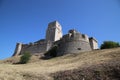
94,65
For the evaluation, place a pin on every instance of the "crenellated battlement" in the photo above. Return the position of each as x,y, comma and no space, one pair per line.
74,35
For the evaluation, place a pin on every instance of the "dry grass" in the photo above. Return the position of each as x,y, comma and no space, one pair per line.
38,69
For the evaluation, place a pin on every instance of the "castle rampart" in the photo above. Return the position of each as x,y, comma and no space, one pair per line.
37,48
73,42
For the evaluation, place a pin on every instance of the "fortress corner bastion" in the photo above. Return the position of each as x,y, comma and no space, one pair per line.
73,42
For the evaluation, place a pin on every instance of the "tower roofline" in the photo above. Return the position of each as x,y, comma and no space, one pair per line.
54,22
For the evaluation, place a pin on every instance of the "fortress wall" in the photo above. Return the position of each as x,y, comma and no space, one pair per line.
49,45
73,47
73,43
34,48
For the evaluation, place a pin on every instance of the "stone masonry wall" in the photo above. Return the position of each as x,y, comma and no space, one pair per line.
54,31
73,42
93,43
34,48
17,49
73,47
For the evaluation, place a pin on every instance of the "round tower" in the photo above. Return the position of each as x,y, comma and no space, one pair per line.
73,42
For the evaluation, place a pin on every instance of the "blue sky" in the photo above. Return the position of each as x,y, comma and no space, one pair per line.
26,20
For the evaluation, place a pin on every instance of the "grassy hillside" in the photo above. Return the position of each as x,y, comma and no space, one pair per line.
94,65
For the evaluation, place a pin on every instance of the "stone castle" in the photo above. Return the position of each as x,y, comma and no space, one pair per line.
73,42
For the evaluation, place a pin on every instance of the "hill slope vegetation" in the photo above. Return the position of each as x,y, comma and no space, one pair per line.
93,65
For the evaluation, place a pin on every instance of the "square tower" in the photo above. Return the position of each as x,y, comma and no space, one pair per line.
93,43
54,32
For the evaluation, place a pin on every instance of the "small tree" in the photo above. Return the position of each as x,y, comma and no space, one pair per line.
109,44
52,52
25,58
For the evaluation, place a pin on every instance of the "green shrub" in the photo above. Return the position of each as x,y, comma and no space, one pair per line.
52,52
25,58
109,44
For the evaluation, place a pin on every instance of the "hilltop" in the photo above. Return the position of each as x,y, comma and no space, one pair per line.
91,65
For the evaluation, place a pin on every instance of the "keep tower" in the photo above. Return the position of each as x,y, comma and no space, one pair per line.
54,32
